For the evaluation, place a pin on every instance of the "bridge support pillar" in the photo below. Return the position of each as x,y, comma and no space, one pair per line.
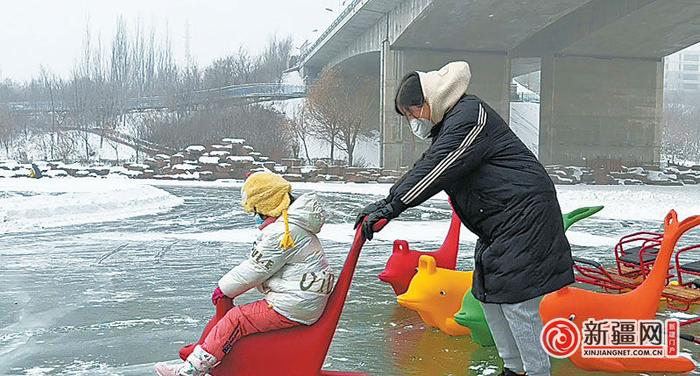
600,107
490,81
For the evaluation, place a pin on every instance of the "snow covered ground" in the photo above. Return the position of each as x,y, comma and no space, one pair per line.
107,276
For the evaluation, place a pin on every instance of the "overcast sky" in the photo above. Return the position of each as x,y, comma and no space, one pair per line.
50,33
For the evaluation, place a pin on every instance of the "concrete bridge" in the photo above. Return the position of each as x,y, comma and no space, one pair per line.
601,64
234,95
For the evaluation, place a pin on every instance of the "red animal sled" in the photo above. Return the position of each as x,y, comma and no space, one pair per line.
401,266
298,351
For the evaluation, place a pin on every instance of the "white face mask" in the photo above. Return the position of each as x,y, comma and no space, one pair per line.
421,127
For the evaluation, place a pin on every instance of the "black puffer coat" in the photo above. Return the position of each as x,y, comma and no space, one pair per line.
501,193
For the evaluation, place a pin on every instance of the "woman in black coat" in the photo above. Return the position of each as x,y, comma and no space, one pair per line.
501,193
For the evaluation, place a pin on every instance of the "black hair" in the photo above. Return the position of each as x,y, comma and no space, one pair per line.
409,93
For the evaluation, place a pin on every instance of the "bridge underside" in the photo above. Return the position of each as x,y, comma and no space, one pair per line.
600,63
600,108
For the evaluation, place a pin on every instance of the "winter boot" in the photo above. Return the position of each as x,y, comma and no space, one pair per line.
199,363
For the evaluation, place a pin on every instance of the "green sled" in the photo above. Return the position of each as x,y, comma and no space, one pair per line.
472,316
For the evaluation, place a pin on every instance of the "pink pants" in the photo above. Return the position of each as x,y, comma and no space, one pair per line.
239,321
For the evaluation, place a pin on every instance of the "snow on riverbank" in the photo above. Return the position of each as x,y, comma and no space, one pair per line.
646,203
30,204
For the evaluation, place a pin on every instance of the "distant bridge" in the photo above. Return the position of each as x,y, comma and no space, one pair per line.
234,94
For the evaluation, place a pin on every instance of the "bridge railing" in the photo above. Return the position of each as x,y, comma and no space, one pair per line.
250,90
350,8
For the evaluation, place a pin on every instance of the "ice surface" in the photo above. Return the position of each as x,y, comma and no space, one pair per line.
118,296
67,201
411,231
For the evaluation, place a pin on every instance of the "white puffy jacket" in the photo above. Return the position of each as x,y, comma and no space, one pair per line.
296,282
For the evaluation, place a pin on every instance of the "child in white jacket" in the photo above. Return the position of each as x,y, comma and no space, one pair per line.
287,264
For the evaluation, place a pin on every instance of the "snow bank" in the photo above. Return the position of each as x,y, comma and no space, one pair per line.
646,203
372,189
68,201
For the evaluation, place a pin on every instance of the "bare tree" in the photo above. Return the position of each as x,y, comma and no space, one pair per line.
357,96
244,67
324,110
681,132
49,81
300,129
8,129
338,106
275,59
138,63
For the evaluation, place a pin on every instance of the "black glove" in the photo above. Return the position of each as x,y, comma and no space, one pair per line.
388,212
369,209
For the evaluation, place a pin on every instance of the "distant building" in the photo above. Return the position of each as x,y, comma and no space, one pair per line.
682,70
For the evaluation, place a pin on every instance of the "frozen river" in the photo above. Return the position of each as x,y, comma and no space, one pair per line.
102,277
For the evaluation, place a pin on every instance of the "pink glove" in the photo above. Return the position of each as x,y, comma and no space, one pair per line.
216,295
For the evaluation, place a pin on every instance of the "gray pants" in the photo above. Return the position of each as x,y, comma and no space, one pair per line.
516,330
